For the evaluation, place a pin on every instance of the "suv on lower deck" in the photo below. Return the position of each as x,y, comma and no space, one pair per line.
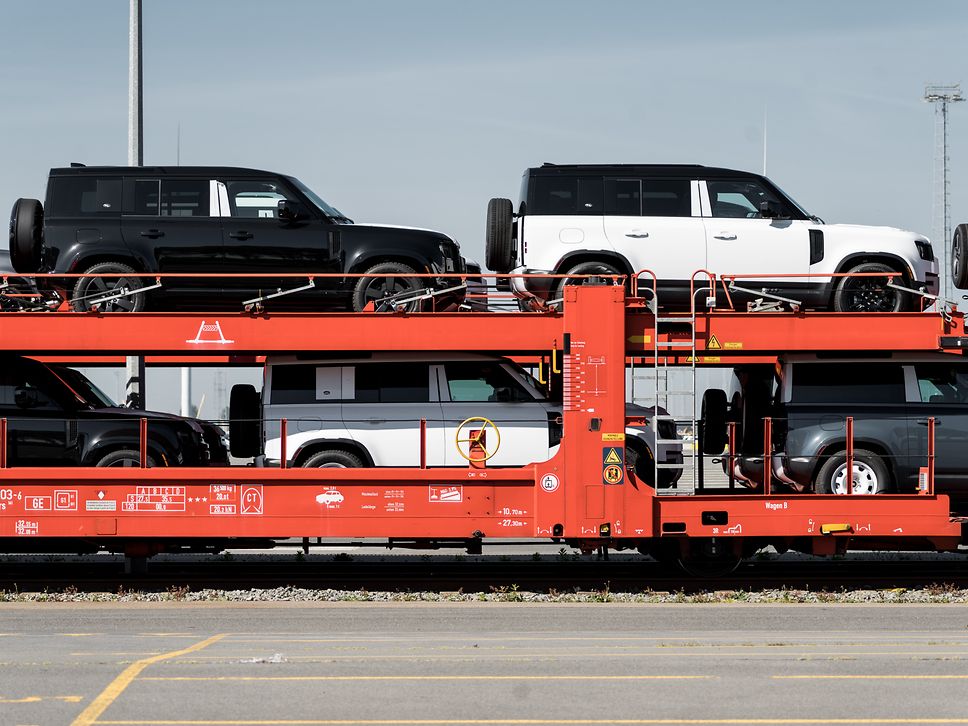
215,226
366,411
57,417
578,220
889,397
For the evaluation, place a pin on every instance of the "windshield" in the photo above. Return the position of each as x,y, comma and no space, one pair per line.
84,388
318,201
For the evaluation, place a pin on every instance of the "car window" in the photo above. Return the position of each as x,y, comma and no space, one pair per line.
846,383
79,196
483,382
256,199
623,197
565,195
741,198
171,197
666,198
942,382
16,387
392,383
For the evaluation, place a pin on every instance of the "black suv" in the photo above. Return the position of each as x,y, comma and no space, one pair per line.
214,225
57,417
890,397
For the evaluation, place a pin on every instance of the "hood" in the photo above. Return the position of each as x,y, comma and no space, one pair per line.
407,229
119,412
634,409
862,231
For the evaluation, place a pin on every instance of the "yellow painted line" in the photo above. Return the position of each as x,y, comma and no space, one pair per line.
114,689
38,699
918,677
25,699
424,678
568,722
138,652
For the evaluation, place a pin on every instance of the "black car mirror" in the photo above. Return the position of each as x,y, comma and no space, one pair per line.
290,211
768,210
26,397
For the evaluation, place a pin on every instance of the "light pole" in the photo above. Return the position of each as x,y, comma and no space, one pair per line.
135,395
941,96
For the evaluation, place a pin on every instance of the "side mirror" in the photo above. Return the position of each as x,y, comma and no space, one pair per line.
291,211
26,397
768,210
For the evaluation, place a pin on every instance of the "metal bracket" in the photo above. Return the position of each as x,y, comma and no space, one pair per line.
773,304
391,303
256,302
94,300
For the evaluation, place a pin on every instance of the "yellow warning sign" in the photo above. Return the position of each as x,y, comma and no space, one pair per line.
612,457
613,474
613,437
713,343
704,359
734,346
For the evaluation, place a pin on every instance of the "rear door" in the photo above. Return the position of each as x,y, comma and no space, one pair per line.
383,403
564,214
487,390
656,225
169,222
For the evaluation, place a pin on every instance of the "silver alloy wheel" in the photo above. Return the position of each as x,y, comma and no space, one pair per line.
864,479
332,465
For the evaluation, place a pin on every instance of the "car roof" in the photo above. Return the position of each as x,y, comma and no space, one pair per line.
385,357
689,171
160,171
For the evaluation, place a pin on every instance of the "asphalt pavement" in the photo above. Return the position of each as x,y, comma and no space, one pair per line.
344,663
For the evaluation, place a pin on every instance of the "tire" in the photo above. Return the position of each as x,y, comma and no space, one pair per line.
394,279
92,287
124,457
333,459
639,460
245,421
872,476
498,243
714,413
585,268
959,257
869,294
26,235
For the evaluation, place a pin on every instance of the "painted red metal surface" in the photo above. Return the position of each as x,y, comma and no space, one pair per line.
577,495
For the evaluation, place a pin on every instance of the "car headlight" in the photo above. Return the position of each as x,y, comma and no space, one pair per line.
924,250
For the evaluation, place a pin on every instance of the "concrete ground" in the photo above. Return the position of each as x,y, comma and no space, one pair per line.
298,664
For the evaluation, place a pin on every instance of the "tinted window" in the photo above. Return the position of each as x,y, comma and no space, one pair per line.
666,198
294,384
942,382
393,383
34,381
75,196
623,197
846,383
480,382
554,195
256,199
741,198
179,197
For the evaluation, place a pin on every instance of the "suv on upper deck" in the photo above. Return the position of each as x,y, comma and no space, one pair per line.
677,219
214,225
57,417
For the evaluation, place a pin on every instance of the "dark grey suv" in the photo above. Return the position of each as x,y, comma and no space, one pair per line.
213,226
890,397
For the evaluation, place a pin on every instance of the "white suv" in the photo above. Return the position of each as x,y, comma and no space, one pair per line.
674,220
366,411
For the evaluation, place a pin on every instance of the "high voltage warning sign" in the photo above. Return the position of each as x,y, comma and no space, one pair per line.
613,464
713,343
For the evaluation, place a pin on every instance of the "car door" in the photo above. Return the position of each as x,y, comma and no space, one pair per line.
485,389
258,242
656,225
170,224
941,391
762,252
564,215
38,426
383,403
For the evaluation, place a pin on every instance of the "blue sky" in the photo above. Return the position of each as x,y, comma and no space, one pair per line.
418,112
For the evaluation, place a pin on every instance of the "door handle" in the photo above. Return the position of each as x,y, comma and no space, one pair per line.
637,235
376,421
724,235
241,234
924,422
153,233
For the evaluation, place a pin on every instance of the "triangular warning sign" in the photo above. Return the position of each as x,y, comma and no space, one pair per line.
612,457
713,343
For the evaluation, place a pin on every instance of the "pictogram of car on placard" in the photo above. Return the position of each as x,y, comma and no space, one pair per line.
330,497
